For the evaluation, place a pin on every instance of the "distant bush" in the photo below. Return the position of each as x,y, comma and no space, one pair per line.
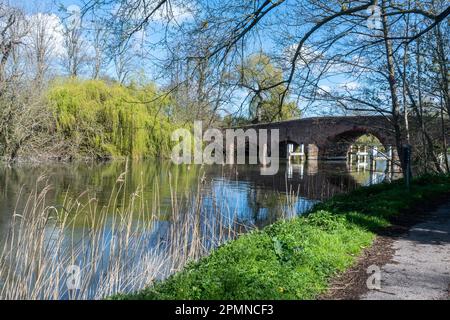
100,120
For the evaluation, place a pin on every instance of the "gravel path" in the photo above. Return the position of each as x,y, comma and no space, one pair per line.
420,267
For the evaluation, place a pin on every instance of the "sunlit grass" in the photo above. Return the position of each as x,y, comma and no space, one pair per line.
295,259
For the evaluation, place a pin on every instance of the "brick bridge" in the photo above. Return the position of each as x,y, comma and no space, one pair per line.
329,137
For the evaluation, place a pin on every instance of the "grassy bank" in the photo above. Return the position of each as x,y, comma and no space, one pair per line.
295,259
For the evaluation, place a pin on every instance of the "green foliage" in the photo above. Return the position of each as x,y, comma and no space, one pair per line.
368,139
235,121
295,259
102,121
258,73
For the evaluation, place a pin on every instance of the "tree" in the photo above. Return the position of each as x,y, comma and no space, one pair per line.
99,39
41,45
75,55
13,29
23,120
260,78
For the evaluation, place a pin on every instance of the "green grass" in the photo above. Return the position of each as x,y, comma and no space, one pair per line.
295,259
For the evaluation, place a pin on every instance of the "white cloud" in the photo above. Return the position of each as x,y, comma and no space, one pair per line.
307,54
54,29
74,18
175,13
323,88
350,86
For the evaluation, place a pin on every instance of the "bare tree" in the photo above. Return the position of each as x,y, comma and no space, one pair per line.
13,30
75,45
18,118
41,46
23,119
124,58
99,40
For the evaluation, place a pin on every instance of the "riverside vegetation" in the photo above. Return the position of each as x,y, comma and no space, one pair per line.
112,244
96,120
295,259
147,224
136,239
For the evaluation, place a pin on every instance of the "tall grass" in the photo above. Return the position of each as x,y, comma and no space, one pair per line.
119,247
127,243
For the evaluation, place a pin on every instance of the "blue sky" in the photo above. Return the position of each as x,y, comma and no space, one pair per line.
34,6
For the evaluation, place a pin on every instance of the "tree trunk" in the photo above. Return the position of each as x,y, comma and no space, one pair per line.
393,88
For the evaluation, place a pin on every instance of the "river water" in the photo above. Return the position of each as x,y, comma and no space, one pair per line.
255,198
163,192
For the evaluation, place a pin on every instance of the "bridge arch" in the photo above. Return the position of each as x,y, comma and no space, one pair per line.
338,145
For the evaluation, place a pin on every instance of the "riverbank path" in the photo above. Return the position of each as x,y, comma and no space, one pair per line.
420,267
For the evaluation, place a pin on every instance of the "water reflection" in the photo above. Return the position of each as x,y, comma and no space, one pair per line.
252,197
159,217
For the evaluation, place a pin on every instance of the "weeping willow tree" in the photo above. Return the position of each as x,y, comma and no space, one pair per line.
100,120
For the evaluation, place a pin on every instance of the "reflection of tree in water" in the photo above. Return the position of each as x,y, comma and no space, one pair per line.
267,196
265,207
342,182
264,198
94,181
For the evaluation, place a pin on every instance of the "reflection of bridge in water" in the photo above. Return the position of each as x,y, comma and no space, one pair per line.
292,191
314,180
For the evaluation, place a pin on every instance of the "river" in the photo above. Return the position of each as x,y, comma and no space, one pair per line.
189,209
